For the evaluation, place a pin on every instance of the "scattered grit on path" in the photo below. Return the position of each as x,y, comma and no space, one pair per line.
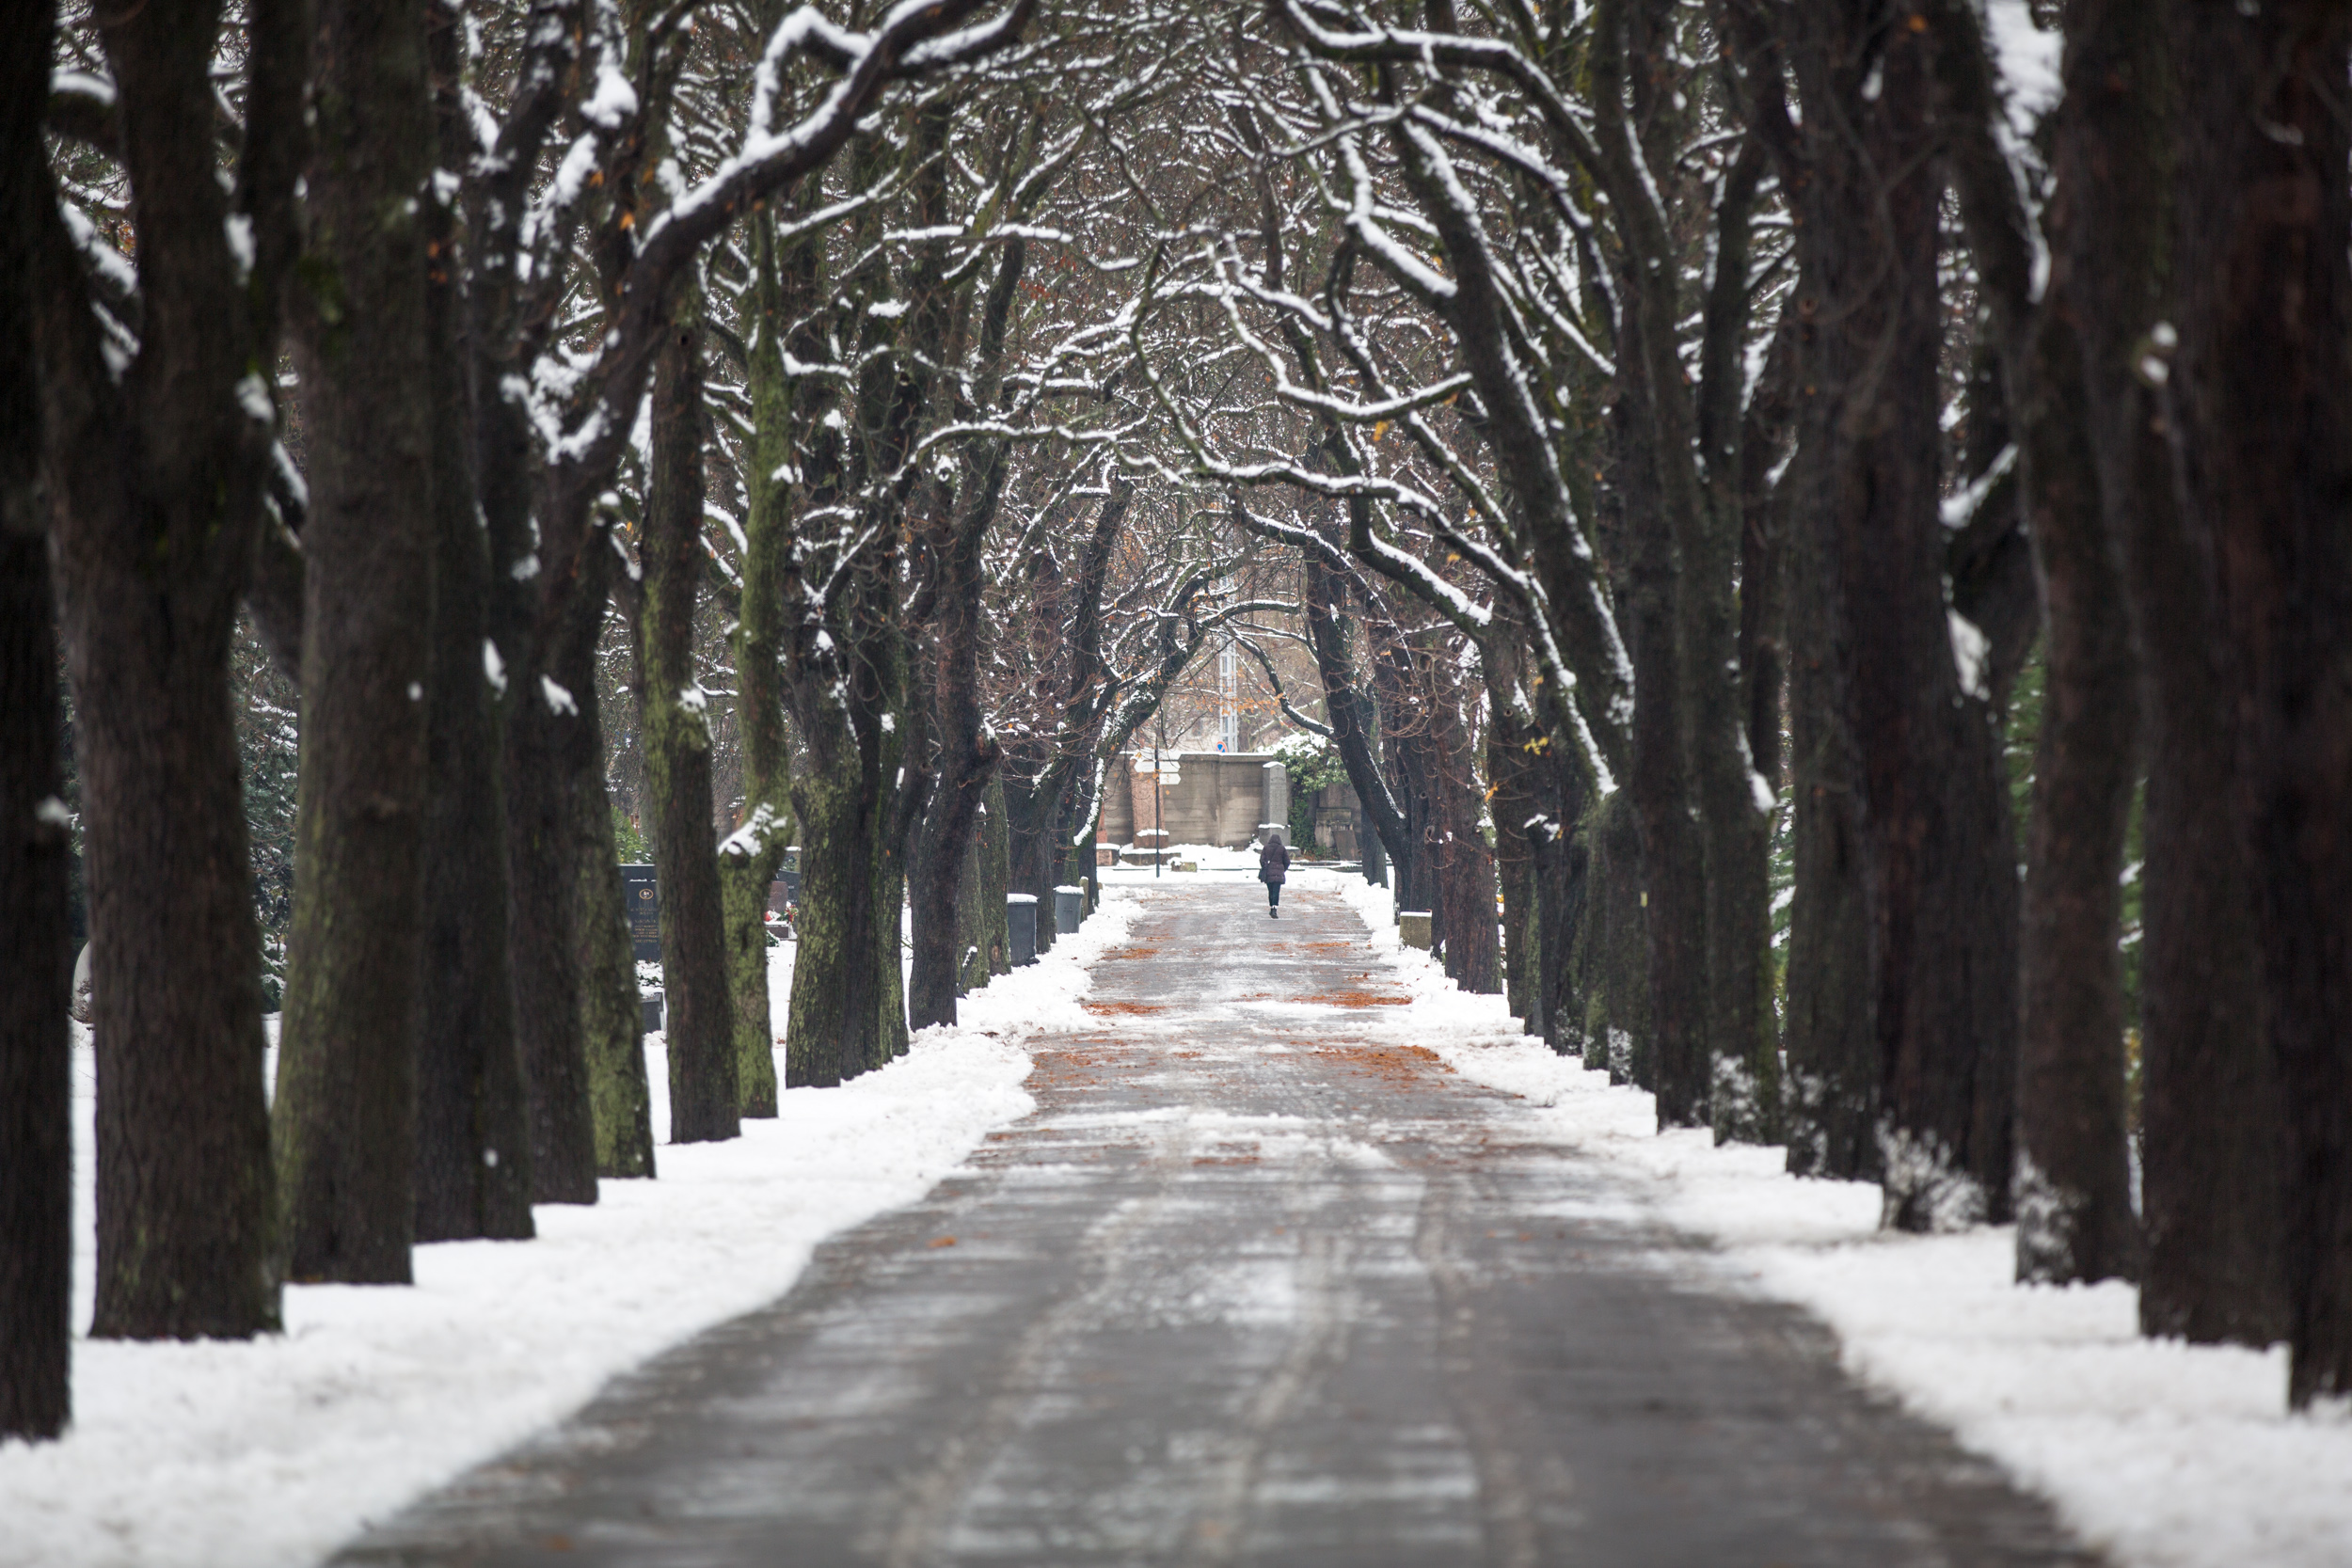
1247,1286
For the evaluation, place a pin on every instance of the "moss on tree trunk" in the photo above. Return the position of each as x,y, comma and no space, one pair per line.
672,721
344,1122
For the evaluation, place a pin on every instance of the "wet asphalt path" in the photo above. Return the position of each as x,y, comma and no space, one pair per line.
1248,1288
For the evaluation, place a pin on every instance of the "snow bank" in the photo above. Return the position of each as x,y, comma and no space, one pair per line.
1205,859
270,1452
2158,1453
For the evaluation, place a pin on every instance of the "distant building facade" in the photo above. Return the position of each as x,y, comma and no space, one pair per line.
1218,798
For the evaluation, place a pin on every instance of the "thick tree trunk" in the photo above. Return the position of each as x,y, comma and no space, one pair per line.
1399,732
1831,1033
1417,886
1032,804
1939,872
1512,768
157,477
967,756
550,581
1735,805
1672,887
556,801
2075,1219
935,880
847,935
2210,1114
2073,1184
539,577
1615,942
751,856
473,1137
1465,867
673,710
620,1093
36,1051
344,1122
1744,1095
544,901
746,872
966,751
2263,387
186,1200
1353,715
985,948
1563,891
36,1142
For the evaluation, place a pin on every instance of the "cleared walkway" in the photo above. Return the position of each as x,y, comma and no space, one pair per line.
1246,1288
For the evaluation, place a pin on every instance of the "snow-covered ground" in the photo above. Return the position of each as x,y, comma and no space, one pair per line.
1207,859
2161,1454
271,1452
228,1454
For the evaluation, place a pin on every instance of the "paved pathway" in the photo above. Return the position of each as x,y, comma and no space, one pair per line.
1246,1288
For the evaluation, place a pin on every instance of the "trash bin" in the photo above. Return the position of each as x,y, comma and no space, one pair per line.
1069,907
1021,927
650,1004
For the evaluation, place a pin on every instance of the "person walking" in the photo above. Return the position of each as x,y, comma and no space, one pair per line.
1273,861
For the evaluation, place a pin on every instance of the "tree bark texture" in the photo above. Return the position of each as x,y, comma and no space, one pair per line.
158,480
2210,1119
754,854
36,1054
744,878
967,765
1672,889
1398,730
1512,806
2263,385
1689,432
542,807
1032,806
473,1137
1939,873
1558,854
1563,891
576,1089
1355,719
344,1123
2075,1219
1615,938
36,1047
1831,1035
673,714
847,933
964,751
1465,866
620,1093
2074,1216
986,947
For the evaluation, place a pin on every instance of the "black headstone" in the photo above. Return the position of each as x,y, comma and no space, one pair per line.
642,899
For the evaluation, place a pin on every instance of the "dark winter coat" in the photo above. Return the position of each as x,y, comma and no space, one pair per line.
1273,861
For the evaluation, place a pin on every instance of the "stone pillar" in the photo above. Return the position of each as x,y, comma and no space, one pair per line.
1276,813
